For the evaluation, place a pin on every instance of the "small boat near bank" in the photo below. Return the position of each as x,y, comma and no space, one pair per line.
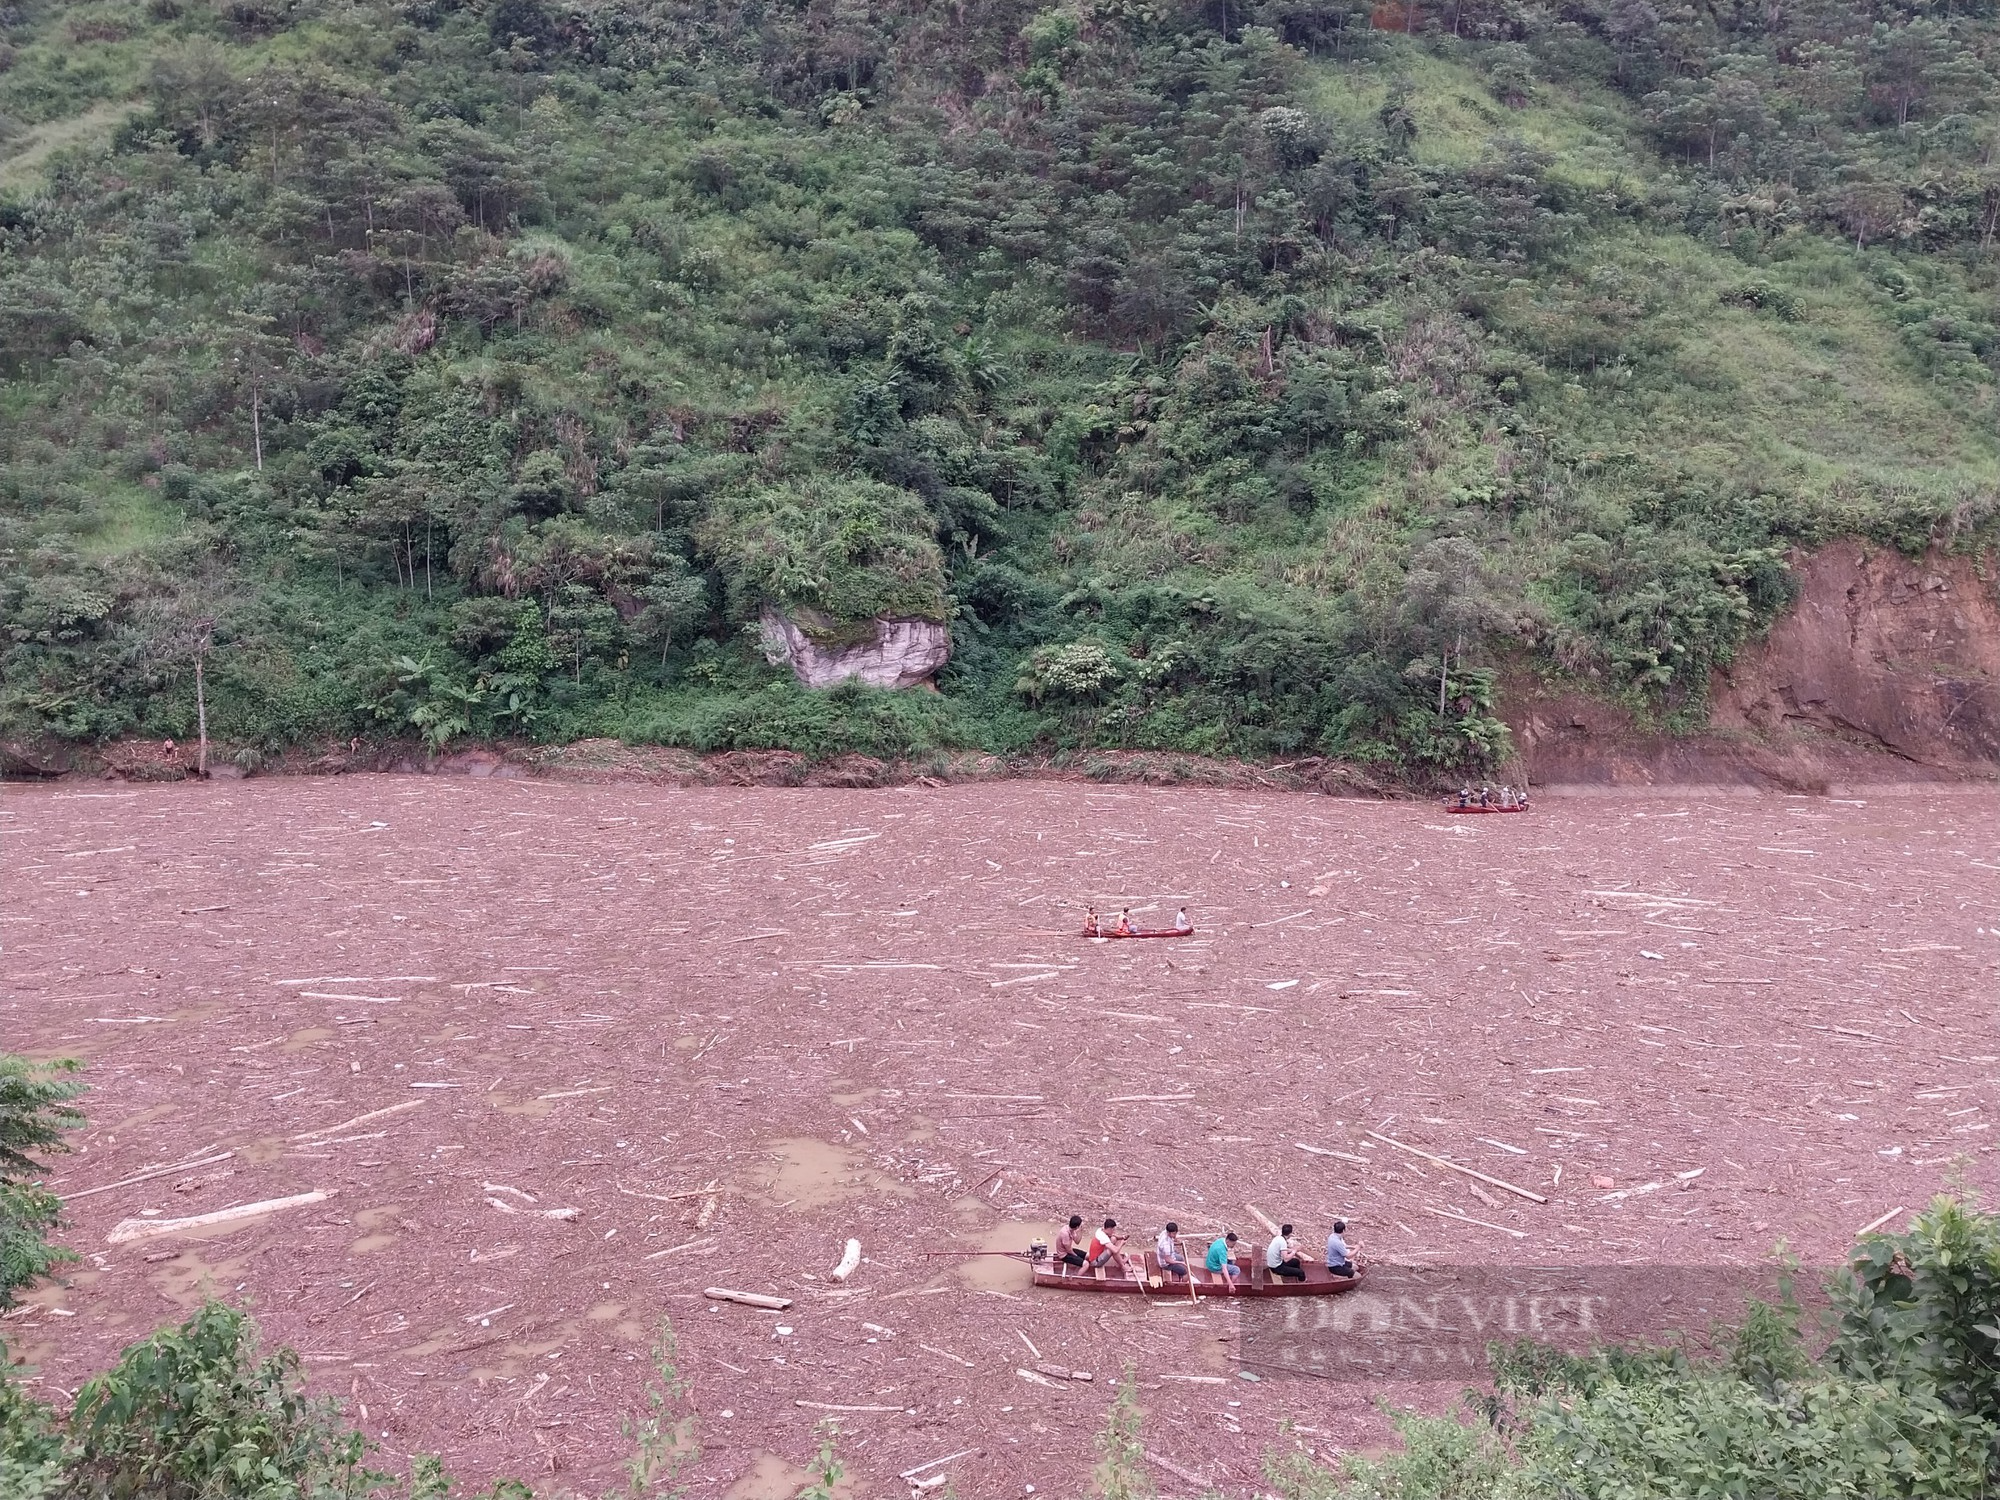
1474,807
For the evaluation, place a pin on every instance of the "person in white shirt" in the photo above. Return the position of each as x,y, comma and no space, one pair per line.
1281,1259
1167,1250
1338,1260
1181,922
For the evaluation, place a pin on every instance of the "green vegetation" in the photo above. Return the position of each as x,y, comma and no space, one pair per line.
1121,1472
1905,1401
1230,378
34,1112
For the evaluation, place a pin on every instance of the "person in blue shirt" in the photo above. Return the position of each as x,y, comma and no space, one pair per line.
1338,1260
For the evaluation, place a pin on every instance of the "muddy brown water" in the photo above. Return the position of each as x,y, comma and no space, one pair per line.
653,1040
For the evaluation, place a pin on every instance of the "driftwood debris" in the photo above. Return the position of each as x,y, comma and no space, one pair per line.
126,1231
771,1304
674,1249
850,1261
934,1462
1062,1372
1499,1182
1445,1213
1186,1475
147,1176
567,1215
373,1114
1324,1151
1874,1224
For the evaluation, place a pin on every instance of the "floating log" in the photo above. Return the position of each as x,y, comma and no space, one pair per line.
146,1176
125,1231
850,1261
1499,1182
1874,1224
373,1114
774,1304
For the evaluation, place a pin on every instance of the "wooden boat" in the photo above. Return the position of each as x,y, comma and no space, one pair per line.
1147,932
1255,1280
1474,807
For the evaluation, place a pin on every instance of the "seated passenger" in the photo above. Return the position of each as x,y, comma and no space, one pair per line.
1090,921
1221,1258
1105,1246
1281,1259
1181,922
1069,1244
1338,1260
1167,1249
1124,927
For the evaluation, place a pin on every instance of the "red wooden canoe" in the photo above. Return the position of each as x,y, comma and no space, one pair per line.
1146,932
1254,1282
1453,807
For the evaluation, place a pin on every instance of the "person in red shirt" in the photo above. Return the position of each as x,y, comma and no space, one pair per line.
1106,1246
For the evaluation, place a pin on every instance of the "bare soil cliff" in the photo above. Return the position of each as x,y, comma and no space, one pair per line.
1886,668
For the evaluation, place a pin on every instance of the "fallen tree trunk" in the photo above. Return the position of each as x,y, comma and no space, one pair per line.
126,1231
750,1299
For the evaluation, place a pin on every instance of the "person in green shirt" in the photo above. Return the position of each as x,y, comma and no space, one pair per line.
1221,1258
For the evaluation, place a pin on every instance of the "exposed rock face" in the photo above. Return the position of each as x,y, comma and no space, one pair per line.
1884,669
903,653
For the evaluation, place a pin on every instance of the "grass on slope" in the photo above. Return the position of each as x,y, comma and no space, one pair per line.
1587,132
1826,397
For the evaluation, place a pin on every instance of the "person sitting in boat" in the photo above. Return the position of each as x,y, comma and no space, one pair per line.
1221,1257
1070,1241
1167,1250
1338,1261
1465,796
1124,927
1181,922
1106,1246
1281,1257
1090,921
1485,796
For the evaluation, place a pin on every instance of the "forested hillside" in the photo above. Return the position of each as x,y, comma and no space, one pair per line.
1248,377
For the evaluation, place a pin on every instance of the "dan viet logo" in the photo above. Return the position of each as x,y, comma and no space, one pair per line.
1441,1322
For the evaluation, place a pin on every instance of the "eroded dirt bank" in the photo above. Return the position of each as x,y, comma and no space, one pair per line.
730,1028
1886,668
